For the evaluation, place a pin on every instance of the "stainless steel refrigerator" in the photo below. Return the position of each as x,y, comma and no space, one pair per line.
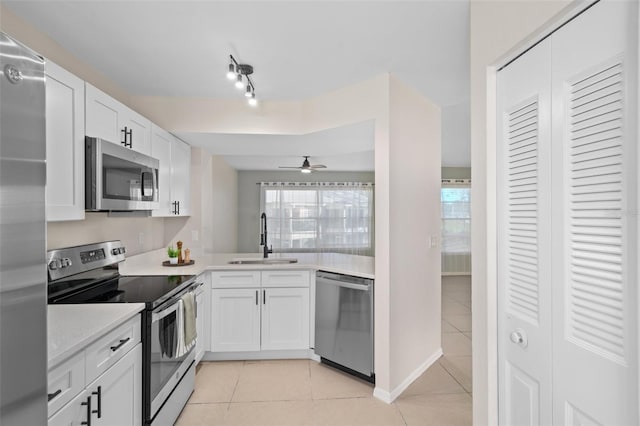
23,290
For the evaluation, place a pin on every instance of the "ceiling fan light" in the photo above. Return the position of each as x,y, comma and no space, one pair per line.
305,170
239,83
249,91
231,74
252,100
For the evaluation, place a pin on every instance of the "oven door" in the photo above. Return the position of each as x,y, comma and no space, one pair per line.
166,368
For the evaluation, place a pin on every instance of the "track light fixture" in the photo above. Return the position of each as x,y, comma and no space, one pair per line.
236,73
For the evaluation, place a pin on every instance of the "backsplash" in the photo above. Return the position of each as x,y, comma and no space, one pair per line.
138,234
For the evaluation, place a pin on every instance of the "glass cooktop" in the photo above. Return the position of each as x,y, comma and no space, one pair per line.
151,290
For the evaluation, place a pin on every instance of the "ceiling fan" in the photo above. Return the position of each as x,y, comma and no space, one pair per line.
306,167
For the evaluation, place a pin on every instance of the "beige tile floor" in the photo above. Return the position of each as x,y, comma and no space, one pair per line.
303,392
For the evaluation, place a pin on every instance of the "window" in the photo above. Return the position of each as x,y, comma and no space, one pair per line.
456,229
315,217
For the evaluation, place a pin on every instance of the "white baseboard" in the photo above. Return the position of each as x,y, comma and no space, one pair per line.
240,356
389,397
315,357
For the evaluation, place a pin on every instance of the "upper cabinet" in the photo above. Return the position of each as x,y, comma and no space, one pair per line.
108,119
65,144
174,175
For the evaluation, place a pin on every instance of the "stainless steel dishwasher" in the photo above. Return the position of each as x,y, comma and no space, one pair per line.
344,323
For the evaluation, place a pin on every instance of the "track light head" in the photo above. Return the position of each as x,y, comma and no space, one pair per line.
239,83
249,91
231,74
252,100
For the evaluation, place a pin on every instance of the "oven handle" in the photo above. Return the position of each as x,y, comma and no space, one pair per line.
157,316
174,306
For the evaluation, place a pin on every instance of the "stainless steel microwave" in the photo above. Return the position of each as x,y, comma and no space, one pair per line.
118,178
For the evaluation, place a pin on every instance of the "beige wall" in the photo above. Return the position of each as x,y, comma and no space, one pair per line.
100,227
224,207
496,28
414,132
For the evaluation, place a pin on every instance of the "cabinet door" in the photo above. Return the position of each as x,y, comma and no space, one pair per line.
117,394
102,115
285,318
65,144
235,320
161,149
181,177
75,413
138,129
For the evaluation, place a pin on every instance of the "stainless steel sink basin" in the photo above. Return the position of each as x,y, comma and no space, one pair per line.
262,261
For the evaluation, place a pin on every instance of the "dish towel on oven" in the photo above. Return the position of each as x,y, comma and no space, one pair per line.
186,324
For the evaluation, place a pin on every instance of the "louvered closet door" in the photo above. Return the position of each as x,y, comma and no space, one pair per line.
595,375
523,205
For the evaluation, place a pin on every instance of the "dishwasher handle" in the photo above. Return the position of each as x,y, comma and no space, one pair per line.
344,284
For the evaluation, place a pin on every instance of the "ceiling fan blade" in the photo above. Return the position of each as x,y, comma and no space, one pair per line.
318,166
286,167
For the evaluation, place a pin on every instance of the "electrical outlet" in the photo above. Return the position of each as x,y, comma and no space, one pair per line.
433,241
141,239
194,235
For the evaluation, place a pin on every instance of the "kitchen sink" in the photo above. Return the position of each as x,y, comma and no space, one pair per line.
263,261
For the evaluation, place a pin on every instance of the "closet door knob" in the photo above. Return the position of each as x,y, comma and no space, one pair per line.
519,337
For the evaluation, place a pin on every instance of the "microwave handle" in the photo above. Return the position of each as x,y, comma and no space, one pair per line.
153,184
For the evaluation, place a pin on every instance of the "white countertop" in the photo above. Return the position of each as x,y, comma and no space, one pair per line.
72,327
150,263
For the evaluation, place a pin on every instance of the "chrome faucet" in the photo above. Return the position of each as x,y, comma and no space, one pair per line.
263,236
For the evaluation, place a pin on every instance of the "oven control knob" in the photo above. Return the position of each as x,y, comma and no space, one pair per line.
54,264
115,251
65,262
122,250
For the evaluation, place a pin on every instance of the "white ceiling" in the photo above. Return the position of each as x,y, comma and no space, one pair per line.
298,49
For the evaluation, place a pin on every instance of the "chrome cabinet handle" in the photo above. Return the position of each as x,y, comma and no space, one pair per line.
519,337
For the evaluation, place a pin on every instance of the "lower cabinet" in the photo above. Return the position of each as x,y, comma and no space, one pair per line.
285,318
262,317
118,392
102,383
235,319
114,398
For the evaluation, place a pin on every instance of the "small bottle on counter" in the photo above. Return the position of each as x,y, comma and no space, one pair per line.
187,256
180,259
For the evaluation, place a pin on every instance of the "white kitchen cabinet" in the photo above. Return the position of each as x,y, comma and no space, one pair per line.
174,180
181,177
65,144
108,119
117,393
77,412
285,318
249,313
235,320
203,318
102,383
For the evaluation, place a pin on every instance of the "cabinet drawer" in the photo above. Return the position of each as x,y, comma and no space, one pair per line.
285,279
64,382
109,349
235,279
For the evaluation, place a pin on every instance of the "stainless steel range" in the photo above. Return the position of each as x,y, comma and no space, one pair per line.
89,274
